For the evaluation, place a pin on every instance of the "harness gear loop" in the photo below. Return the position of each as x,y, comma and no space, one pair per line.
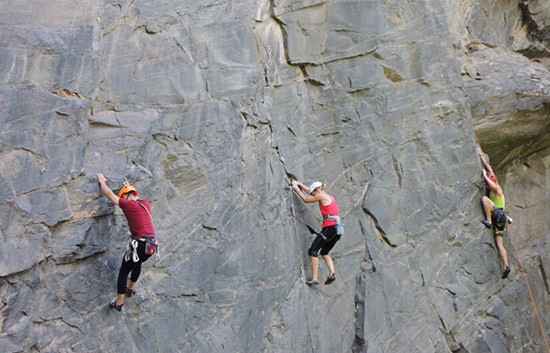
135,256
131,253
339,225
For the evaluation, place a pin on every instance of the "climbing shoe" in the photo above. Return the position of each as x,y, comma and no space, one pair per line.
130,292
114,306
331,279
506,272
486,223
312,282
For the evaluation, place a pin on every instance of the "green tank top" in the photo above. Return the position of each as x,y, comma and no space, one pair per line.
498,201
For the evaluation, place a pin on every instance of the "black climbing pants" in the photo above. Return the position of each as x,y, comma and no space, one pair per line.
325,241
130,266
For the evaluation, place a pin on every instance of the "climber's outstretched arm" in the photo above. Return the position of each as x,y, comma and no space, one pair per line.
485,163
106,190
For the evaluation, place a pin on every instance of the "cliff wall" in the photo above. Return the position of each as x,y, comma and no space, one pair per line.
209,108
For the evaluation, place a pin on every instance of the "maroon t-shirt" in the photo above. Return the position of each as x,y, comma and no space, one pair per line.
138,219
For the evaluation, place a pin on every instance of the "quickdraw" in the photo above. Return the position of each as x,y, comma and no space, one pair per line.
151,248
132,252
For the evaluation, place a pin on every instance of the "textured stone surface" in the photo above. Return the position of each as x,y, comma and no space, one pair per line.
509,96
536,14
209,108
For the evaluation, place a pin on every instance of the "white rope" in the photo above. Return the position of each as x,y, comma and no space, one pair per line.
303,271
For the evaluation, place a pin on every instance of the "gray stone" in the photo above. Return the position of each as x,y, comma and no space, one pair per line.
209,109
45,206
536,14
509,89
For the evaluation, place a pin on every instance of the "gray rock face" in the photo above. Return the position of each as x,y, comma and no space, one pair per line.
508,94
536,14
509,97
209,108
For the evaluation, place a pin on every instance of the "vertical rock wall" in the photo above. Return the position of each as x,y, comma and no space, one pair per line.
209,108
506,83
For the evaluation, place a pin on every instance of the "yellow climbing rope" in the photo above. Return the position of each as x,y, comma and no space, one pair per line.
152,315
527,283
303,272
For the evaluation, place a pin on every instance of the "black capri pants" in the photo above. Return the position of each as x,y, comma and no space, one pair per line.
324,242
130,266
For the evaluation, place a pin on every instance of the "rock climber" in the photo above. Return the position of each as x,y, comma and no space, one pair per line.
328,236
143,244
493,205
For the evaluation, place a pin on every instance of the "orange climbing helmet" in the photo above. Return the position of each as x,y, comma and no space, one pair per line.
492,177
126,189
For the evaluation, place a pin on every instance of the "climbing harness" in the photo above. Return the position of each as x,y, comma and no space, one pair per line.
339,224
498,220
332,217
523,271
150,248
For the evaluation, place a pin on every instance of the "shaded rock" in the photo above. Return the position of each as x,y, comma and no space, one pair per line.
536,14
499,23
508,91
45,206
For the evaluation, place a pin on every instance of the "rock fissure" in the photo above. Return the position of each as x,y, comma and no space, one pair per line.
66,93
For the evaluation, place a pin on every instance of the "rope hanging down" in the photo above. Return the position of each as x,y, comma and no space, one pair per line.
523,271
303,272
152,315
527,283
